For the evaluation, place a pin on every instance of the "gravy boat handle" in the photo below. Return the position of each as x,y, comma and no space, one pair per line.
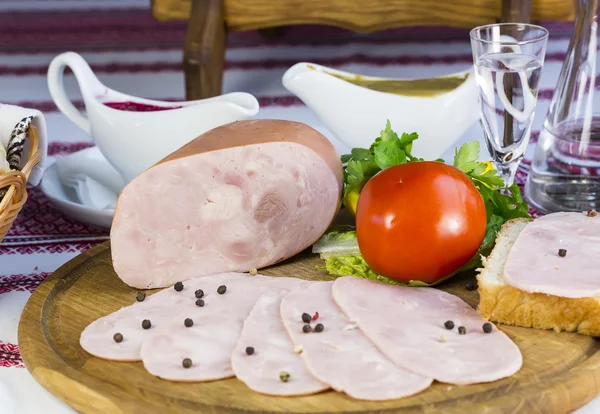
88,83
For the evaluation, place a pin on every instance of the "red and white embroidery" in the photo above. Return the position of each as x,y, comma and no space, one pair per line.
21,283
47,248
39,218
10,356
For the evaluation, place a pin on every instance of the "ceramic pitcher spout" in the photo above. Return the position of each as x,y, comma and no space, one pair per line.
291,76
246,105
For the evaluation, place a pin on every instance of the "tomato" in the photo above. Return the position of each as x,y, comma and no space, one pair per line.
419,221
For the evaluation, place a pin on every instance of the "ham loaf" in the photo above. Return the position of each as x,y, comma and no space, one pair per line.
244,195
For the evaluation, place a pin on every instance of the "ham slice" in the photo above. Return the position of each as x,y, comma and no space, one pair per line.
166,310
407,324
535,266
210,342
97,338
273,353
160,309
244,195
341,355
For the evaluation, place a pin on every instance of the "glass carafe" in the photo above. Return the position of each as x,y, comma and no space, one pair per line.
565,172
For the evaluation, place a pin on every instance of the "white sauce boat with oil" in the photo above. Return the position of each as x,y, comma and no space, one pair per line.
135,133
355,108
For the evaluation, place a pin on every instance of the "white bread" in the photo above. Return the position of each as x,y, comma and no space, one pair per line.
505,304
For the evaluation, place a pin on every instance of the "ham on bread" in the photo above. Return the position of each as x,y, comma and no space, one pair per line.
557,254
244,195
502,302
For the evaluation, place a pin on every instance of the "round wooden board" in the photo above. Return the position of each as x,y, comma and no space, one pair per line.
561,372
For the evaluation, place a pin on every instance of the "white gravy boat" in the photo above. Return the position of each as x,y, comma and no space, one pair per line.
133,141
356,114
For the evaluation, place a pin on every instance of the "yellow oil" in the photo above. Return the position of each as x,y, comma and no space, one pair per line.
407,87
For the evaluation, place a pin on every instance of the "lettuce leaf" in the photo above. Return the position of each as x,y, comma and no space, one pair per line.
339,250
338,241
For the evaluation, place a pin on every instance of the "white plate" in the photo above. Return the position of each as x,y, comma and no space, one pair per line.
65,200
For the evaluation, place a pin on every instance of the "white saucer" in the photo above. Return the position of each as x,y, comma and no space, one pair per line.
65,200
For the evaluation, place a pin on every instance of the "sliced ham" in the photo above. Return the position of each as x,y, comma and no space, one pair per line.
245,195
341,355
535,265
217,326
167,309
272,353
97,338
407,324
160,309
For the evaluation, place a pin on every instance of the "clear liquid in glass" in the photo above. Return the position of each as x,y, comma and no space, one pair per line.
565,174
508,86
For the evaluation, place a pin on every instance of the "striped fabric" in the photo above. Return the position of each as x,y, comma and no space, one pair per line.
131,52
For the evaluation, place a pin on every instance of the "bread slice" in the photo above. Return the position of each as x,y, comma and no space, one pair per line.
502,303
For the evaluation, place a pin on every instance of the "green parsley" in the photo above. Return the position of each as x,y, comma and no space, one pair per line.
388,150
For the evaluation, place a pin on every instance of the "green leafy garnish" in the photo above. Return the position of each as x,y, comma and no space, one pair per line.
501,204
346,260
387,150
339,247
465,157
338,241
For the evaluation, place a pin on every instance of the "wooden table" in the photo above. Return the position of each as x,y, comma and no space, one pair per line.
211,20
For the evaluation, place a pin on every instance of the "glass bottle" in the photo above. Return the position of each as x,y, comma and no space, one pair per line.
565,172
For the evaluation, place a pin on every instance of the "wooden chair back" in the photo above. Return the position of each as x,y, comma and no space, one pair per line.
365,15
210,20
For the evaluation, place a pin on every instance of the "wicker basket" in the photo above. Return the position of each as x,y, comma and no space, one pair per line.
13,200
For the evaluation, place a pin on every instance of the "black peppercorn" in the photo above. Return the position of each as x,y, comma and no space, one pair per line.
188,322
118,337
140,296
199,293
146,324
487,327
306,318
186,363
471,285
306,328
221,289
319,327
462,330
249,350
200,303
178,286
562,252
449,325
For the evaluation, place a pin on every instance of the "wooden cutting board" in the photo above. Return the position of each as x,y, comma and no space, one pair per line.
561,372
